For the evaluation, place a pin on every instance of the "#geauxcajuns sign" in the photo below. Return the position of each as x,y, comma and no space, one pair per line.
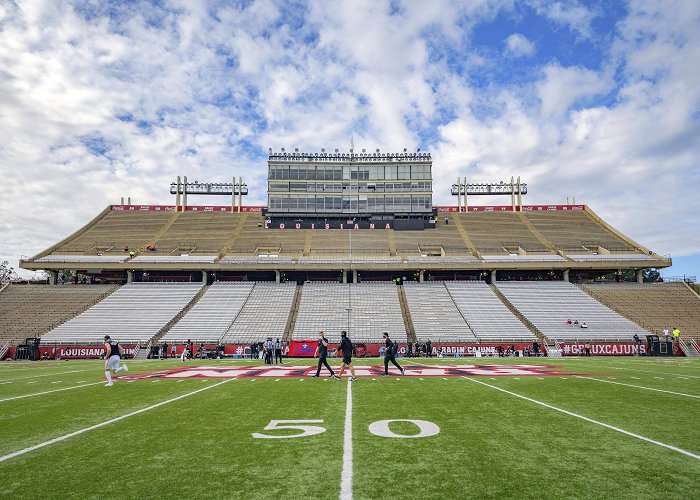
280,371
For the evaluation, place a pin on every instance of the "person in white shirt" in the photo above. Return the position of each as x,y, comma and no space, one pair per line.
667,334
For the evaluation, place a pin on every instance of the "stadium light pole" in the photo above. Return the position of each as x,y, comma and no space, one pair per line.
349,287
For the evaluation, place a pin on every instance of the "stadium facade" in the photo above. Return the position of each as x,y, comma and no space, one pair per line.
348,241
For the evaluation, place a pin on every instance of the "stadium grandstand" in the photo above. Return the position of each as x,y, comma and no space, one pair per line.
347,242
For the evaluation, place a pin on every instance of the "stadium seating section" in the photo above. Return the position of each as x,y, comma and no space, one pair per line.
28,311
245,312
133,313
435,315
655,306
549,305
488,317
265,313
374,309
210,318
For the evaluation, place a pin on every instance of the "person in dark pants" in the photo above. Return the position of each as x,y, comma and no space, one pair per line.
322,353
278,351
390,354
346,348
429,349
409,352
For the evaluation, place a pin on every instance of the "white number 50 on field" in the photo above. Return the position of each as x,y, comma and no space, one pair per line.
306,430
379,428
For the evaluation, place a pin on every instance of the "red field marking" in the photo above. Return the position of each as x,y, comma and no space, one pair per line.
361,371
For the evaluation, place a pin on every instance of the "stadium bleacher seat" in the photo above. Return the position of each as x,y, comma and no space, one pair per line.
488,317
133,313
655,306
434,314
265,313
212,315
375,309
32,310
550,304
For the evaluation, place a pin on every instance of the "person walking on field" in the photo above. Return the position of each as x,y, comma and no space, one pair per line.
113,354
390,354
322,353
346,348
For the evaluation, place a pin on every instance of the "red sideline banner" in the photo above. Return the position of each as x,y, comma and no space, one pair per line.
508,208
173,208
306,349
79,351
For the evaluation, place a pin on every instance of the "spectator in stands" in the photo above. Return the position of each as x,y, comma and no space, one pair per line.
667,334
569,322
584,325
132,254
676,334
126,248
575,322
447,221
278,351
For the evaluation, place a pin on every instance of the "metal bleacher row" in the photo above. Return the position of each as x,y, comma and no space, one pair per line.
549,305
235,312
133,313
374,309
435,315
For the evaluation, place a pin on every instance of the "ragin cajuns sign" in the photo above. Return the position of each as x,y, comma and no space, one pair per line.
306,348
413,370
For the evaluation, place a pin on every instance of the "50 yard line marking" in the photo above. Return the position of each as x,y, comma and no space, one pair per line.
107,422
346,477
572,414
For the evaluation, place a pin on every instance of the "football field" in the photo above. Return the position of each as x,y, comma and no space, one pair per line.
507,428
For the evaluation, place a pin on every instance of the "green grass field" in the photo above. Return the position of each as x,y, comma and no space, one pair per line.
490,443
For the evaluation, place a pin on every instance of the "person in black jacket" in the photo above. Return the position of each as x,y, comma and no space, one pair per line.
390,354
322,353
346,348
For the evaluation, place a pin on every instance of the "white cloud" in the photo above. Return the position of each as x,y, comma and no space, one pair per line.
194,93
517,45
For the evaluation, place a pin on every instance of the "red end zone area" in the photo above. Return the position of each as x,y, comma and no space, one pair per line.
360,371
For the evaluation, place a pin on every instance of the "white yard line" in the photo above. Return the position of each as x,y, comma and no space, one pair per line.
48,375
346,477
639,387
102,424
655,372
48,392
607,426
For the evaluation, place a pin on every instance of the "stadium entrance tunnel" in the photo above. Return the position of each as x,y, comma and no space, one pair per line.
281,371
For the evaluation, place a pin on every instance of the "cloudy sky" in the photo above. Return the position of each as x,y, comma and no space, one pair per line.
594,99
